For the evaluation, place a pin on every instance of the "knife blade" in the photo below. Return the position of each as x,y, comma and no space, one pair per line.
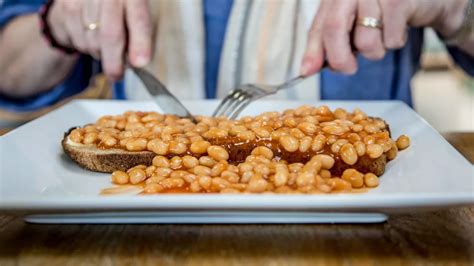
161,95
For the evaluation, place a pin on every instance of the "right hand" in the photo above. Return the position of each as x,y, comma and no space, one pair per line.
124,29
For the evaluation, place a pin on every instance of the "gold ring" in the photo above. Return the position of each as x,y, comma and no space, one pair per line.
370,22
92,26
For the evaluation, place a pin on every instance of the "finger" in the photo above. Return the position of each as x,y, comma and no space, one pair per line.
313,57
112,38
74,26
336,35
90,15
139,32
368,41
395,15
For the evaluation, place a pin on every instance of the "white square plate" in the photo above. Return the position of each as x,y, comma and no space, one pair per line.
36,176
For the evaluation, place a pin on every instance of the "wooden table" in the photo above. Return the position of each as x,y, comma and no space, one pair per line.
443,237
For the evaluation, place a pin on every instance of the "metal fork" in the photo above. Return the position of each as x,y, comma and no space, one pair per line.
233,104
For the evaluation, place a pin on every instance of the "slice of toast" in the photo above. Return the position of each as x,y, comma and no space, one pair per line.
92,158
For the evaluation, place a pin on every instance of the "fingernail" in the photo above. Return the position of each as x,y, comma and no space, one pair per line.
305,68
141,61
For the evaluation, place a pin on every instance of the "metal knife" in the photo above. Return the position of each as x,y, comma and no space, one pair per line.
162,96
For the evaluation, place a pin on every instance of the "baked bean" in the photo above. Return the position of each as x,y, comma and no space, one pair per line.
161,161
336,146
327,162
289,143
109,142
403,142
392,153
190,161
158,146
295,167
245,167
76,135
348,154
371,180
176,147
371,128
215,132
360,148
305,144
340,113
137,176
313,166
150,170
218,168
172,182
353,138
154,179
297,133
199,147
263,151
339,185
335,130
234,130
218,153
354,177
195,187
230,176
369,140
331,139
178,173
153,188
140,166
290,122
305,178
207,161
205,182
246,135
190,178
201,170
218,184
176,162
257,184
318,143
246,176
374,151
262,169
90,138
281,175
120,177
262,132
138,144
325,174
163,171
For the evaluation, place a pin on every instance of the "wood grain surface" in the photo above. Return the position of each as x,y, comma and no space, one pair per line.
429,238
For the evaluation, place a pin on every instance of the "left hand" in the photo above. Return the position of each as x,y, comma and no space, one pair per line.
333,32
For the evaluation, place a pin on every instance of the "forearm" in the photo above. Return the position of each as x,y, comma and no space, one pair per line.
27,64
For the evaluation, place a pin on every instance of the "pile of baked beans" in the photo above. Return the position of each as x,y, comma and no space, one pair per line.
190,159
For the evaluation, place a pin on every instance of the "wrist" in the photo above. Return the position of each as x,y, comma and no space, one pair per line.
55,37
451,17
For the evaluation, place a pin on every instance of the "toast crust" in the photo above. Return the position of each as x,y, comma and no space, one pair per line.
106,161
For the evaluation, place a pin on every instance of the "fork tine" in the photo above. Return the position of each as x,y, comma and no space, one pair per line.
240,108
222,104
226,102
235,103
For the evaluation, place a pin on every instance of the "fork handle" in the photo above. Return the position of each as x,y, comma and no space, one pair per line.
295,81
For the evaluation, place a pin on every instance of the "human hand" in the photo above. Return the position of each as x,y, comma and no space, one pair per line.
105,29
334,37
